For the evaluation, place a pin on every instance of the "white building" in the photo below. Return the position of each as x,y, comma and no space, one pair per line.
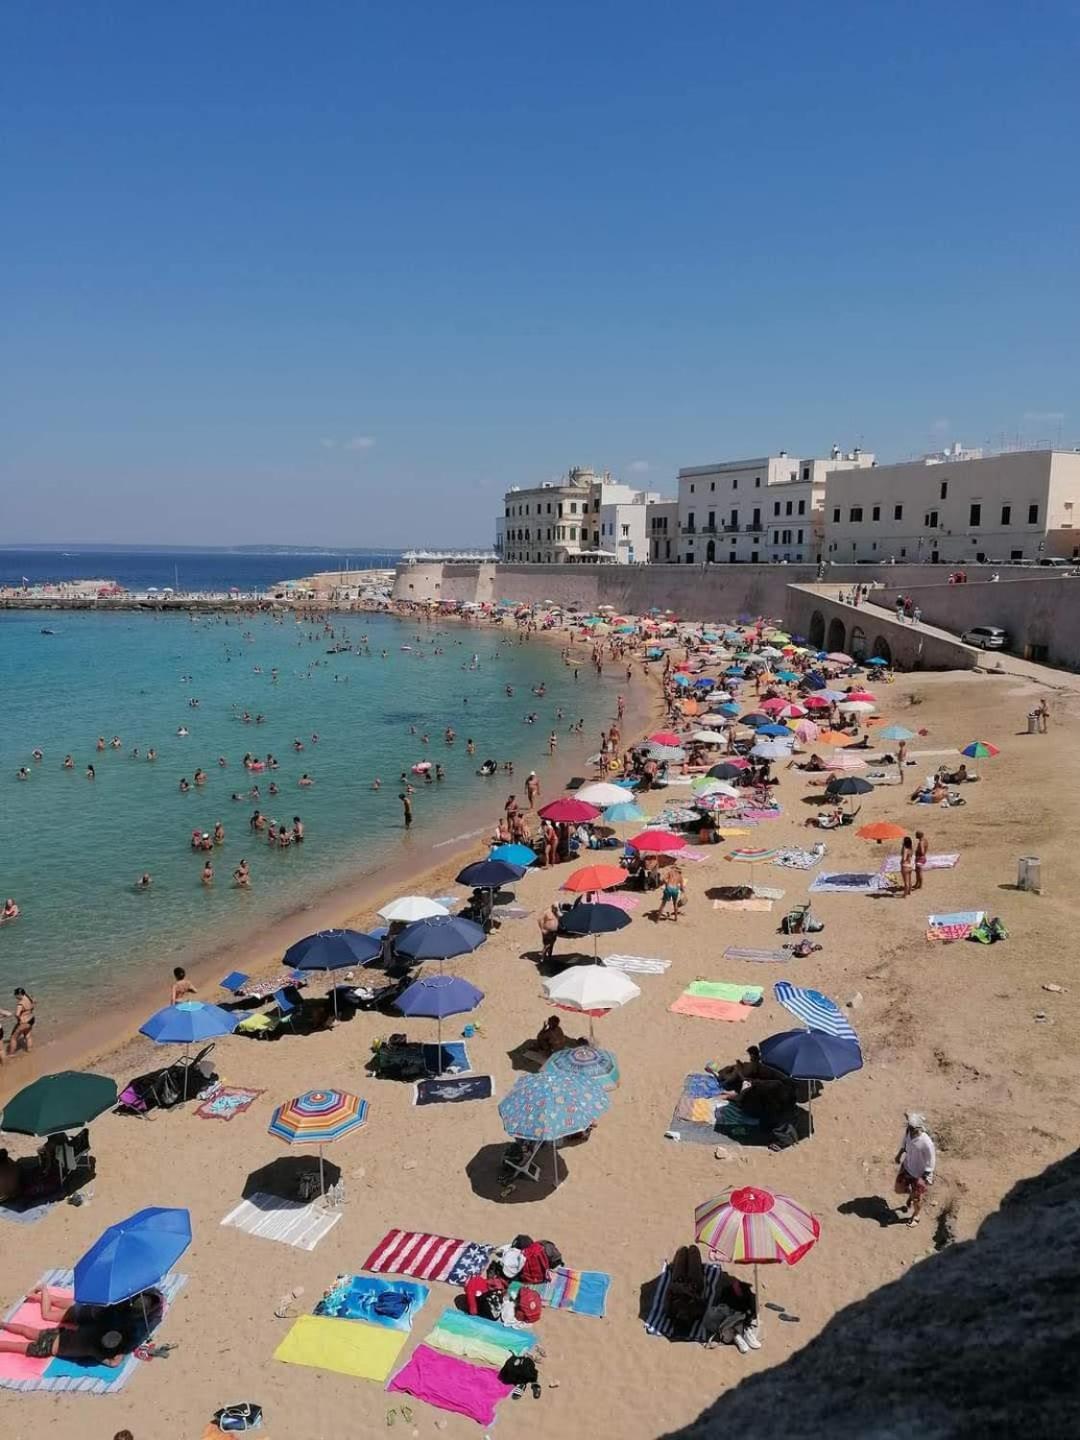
757,511
1023,505
662,526
585,517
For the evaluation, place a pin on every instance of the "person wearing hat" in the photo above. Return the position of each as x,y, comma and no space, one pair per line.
917,1159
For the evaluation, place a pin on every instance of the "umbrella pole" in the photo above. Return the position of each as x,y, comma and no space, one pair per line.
758,1302
438,1021
810,1106
187,1069
555,1160
335,996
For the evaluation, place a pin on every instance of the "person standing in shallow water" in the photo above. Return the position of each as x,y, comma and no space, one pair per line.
406,809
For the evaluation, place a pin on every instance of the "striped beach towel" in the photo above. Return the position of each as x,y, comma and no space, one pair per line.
584,1292
428,1257
635,964
735,952
933,862
290,1222
658,1323
815,1010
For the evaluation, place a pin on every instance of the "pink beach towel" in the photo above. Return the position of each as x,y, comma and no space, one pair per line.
622,901
21,1367
451,1384
705,1009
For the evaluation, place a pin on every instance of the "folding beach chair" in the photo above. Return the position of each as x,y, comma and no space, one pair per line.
520,1158
74,1155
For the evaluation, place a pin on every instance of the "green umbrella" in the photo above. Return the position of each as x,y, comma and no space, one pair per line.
59,1102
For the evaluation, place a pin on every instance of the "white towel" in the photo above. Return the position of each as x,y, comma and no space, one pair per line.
636,964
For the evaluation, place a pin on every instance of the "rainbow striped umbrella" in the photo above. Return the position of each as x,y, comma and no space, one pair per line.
752,858
752,1226
317,1117
980,750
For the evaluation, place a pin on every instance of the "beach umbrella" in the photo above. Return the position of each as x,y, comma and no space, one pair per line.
514,855
570,810
754,718
806,731
811,1054
665,737
710,787
705,682
412,907
316,1118
591,989
844,760
594,877
815,1010
437,997
592,919
848,785
877,660
980,750
727,769
588,1062
788,676
835,737
861,695
770,707
682,679
546,1107
186,1024
896,732
673,754
56,1103
713,721
816,702
881,830
837,657
333,950
489,874
752,857
657,841
602,794
773,731
752,1226
773,749
131,1255
624,812
707,737
855,707
728,710
441,937
833,696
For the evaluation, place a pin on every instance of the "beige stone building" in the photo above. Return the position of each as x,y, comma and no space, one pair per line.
585,517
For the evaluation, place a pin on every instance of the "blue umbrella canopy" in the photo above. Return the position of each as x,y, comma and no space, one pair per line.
188,1022
756,718
489,874
877,660
439,938
588,1061
598,919
725,771
549,1106
514,855
132,1255
333,950
787,676
773,729
628,810
811,1054
436,996
728,708
895,732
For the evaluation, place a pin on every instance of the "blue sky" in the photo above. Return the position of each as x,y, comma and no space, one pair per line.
343,272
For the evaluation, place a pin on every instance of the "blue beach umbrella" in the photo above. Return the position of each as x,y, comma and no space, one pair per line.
489,874
439,996
593,919
682,679
877,660
588,1061
439,938
132,1255
896,732
788,676
545,1108
628,810
333,950
188,1023
773,730
811,1054
729,709
514,854
755,719
705,682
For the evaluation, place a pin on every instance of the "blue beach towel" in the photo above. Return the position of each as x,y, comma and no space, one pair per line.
354,1298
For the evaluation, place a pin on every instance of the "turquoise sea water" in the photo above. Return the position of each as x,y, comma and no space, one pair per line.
74,846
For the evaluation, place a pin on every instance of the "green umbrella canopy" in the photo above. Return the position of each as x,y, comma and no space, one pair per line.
59,1102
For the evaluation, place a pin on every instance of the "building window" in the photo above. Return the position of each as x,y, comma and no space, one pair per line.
873,545
802,507
626,531
855,514
931,520
1006,514
735,483
776,537
806,472
691,487
757,482
712,484
836,515
875,513
573,507
573,532
1016,554
798,537
897,512
903,551
944,490
776,507
975,517
1033,514
712,519
690,521
734,519
787,508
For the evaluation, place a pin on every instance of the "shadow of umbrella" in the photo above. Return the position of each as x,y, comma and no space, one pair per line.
282,1176
483,1174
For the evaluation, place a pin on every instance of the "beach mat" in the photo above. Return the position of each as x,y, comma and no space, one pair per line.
700,1118
470,1337
428,1257
635,964
933,862
452,1090
455,1058
348,1347
622,901
798,859
451,1384
510,912
20,1213
225,1102
290,1222
735,952
353,1298
957,925
583,1292
756,904
848,882
18,1372
657,1322
725,990
701,1009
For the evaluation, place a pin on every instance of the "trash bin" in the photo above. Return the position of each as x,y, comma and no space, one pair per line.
1033,723
1028,874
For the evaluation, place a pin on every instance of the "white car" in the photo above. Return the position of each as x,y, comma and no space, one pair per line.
986,637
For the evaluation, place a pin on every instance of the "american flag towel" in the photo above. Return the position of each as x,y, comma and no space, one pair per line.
428,1257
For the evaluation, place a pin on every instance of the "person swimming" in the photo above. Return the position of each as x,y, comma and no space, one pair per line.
144,881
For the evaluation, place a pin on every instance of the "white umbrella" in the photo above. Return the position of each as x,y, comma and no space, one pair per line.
707,737
856,707
590,987
719,721
772,749
412,907
604,794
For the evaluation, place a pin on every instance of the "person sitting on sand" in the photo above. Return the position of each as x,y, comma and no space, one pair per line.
685,1299
552,1037
815,763
10,1178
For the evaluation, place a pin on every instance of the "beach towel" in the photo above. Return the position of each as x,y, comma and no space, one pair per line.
755,815
701,1118
428,1257
452,1090
263,989
710,1009
19,1212
933,862
735,952
226,1101
725,990
798,859
815,1010
847,882
353,1298
955,926
693,854
767,892
584,1292
451,1384
756,904
290,1222
636,964
657,1322
18,1372
348,1347
470,1337
455,1058
622,901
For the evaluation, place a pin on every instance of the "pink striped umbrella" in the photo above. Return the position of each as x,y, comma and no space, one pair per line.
752,1226
806,731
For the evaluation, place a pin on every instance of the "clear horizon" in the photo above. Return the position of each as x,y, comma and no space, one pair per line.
360,269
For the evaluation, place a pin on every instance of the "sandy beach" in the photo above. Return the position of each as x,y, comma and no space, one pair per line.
948,1029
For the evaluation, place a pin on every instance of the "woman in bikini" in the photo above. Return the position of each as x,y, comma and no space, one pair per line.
907,864
23,1015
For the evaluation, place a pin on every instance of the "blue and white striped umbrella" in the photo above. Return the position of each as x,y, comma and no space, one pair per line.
815,1010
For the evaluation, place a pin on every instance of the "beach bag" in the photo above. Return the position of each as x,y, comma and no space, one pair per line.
245,1416
997,929
553,1253
519,1370
393,1304
528,1305
535,1270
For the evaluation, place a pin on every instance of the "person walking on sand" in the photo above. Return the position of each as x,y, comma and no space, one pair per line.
549,931
907,864
25,1020
553,741
917,1159
532,789
901,757
922,853
181,986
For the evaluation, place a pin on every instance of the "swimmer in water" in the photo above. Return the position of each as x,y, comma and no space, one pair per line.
274,787
115,742
219,833
91,773
151,754
10,910
69,763
305,779
184,786
183,730
376,784
100,742
144,881
242,875
38,754
23,773
200,777
222,762
208,873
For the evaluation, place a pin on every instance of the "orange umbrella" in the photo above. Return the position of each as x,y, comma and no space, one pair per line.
594,877
881,830
834,737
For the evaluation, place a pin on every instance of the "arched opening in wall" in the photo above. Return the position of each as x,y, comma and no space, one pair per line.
837,635
817,630
857,642
710,552
882,650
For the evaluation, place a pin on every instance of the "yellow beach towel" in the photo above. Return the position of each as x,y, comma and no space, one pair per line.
348,1347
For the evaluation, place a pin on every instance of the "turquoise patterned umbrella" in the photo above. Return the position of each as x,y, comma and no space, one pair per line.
588,1061
546,1107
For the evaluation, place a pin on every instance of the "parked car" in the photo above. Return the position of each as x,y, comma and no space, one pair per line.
1056,562
986,637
